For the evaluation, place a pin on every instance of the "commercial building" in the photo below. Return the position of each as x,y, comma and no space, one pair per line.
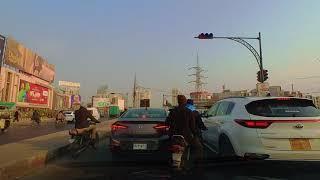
26,77
228,93
316,101
141,94
174,94
202,100
60,101
71,89
275,91
68,87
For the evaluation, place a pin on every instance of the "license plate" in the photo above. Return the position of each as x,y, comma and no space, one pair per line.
139,146
300,144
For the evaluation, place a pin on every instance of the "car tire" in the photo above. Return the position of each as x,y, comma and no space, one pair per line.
225,147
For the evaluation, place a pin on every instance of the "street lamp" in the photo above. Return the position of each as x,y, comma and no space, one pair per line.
242,40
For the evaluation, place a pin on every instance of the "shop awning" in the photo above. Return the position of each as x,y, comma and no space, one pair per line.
10,105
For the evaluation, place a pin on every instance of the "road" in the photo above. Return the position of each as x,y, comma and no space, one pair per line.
99,165
18,132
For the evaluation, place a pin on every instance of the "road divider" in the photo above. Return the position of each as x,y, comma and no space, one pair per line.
23,157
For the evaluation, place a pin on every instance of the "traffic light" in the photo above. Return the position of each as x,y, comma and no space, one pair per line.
264,76
205,36
259,77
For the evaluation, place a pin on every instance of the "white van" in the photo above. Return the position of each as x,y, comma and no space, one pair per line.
95,112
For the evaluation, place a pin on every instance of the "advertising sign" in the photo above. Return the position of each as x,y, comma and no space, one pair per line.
32,93
24,59
75,99
2,42
100,102
69,84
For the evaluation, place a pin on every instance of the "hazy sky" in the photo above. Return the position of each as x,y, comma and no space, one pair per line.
109,41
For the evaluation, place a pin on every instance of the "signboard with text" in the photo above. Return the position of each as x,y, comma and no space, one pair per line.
32,93
100,102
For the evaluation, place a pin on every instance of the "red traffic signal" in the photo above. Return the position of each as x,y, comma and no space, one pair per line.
205,36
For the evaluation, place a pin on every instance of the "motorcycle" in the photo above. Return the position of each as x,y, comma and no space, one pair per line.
180,152
4,123
80,142
5,118
60,123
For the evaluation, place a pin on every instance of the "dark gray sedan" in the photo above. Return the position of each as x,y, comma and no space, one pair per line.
140,131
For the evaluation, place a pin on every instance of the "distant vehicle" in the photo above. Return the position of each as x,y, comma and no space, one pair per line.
5,118
70,117
264,127
95,113
140,130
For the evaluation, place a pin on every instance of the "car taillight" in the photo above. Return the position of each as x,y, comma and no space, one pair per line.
116,127
259,124
161,128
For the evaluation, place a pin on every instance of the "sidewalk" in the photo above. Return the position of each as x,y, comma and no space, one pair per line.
24,156
27,121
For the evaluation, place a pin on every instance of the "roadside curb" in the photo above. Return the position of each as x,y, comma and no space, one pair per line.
15,169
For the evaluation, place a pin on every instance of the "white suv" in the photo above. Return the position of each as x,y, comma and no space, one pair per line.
264,127
70,117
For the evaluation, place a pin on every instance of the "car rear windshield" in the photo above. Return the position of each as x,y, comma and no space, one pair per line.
145,113
283,107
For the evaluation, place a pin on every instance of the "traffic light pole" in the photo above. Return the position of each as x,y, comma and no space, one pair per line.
261,64
242,40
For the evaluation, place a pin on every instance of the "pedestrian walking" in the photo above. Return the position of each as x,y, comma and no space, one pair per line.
16,116
36,117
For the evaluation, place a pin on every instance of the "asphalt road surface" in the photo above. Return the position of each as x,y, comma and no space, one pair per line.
98,164
19,132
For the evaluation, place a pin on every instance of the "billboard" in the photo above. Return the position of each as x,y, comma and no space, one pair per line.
2,43
69,84
100,102
32,93
18,56
75,99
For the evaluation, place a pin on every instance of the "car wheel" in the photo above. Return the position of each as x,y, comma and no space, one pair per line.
225,147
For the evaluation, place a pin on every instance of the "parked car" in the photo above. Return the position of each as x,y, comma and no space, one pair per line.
140,130
264,127
95,113
70,117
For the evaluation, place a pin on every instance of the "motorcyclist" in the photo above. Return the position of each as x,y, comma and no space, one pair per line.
198,120
182,122
83,125
60,117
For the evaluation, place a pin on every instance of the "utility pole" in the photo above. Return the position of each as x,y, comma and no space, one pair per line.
134,91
